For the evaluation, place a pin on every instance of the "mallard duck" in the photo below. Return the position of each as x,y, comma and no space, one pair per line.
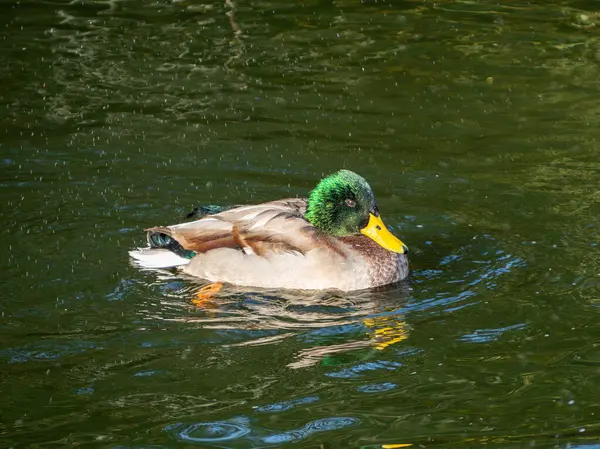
335,239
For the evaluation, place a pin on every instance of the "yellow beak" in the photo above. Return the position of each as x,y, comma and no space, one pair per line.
377,231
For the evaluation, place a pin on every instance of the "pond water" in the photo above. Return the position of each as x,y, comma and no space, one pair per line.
476,123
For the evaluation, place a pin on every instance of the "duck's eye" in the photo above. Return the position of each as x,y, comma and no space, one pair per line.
350,203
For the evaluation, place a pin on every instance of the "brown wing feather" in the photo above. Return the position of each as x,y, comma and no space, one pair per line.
260,245
283,232
199,240
262,227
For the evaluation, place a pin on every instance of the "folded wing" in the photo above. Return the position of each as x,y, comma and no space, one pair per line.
274,227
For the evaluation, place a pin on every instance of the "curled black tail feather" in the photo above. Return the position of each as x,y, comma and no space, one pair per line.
160,240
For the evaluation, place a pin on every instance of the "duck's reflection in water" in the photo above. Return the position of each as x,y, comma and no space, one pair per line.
371,319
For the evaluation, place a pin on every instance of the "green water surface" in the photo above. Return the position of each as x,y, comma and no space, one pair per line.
476,123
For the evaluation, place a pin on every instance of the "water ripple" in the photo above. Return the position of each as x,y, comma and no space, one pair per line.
358,370
320,425
209,432
376,388
487,335
286,405
46,350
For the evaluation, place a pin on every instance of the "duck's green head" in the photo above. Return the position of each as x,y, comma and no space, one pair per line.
343,204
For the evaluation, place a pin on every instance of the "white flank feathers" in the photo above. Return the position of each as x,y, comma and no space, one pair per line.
157,258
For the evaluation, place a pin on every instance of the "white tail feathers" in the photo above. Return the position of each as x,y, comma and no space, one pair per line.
157,258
